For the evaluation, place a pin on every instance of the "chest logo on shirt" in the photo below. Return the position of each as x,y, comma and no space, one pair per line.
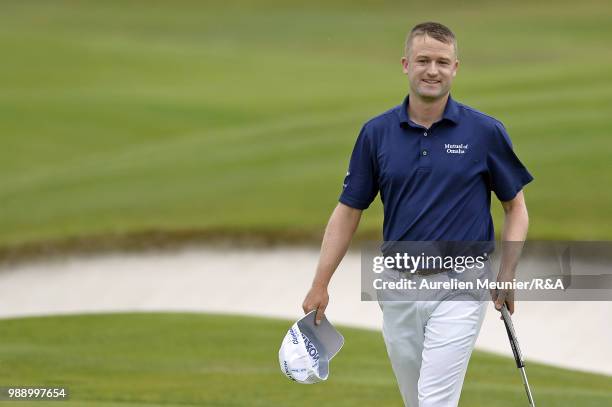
456,148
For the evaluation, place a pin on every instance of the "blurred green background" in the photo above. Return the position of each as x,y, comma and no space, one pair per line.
235,116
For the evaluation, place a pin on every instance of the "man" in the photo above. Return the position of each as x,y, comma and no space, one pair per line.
434,162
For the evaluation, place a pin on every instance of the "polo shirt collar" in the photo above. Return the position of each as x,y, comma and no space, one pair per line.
451,112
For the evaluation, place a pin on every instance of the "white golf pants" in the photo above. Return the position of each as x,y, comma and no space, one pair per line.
429,344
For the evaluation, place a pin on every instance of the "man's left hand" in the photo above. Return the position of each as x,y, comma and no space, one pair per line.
504,296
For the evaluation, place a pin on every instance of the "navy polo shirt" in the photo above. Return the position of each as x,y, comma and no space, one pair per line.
436,183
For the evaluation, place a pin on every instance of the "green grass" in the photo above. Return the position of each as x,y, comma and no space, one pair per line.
219,360
240,116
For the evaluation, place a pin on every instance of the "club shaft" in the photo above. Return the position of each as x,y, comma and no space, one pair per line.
516,350
527,388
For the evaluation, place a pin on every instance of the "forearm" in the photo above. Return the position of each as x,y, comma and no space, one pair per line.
338,234
516,224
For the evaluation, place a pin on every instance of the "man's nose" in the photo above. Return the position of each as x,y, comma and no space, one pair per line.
432,69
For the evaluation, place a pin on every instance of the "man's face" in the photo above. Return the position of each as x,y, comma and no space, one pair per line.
431,66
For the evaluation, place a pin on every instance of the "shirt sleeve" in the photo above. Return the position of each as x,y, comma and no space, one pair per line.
361,182
507,174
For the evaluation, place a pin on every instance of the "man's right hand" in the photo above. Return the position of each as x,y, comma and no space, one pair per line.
317,298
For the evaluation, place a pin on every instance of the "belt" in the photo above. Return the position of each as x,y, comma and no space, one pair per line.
426,272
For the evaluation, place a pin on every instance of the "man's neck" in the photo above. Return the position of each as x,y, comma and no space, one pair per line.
426,112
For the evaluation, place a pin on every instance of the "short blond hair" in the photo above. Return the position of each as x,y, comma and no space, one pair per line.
437,31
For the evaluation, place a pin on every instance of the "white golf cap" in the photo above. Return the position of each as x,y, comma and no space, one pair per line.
307,349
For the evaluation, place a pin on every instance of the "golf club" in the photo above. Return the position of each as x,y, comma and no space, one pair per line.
518,357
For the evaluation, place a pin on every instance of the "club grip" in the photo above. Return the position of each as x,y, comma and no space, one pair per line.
516,351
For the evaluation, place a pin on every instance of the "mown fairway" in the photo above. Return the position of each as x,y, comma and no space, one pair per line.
214,360
120,117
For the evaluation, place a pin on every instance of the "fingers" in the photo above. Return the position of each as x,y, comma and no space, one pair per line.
504,296
319,315
316,300
500,299
311,302
493,295
510,304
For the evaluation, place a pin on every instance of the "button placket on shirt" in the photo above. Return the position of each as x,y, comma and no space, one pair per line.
425,148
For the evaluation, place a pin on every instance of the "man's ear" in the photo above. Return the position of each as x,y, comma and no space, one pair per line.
456,68
404,62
